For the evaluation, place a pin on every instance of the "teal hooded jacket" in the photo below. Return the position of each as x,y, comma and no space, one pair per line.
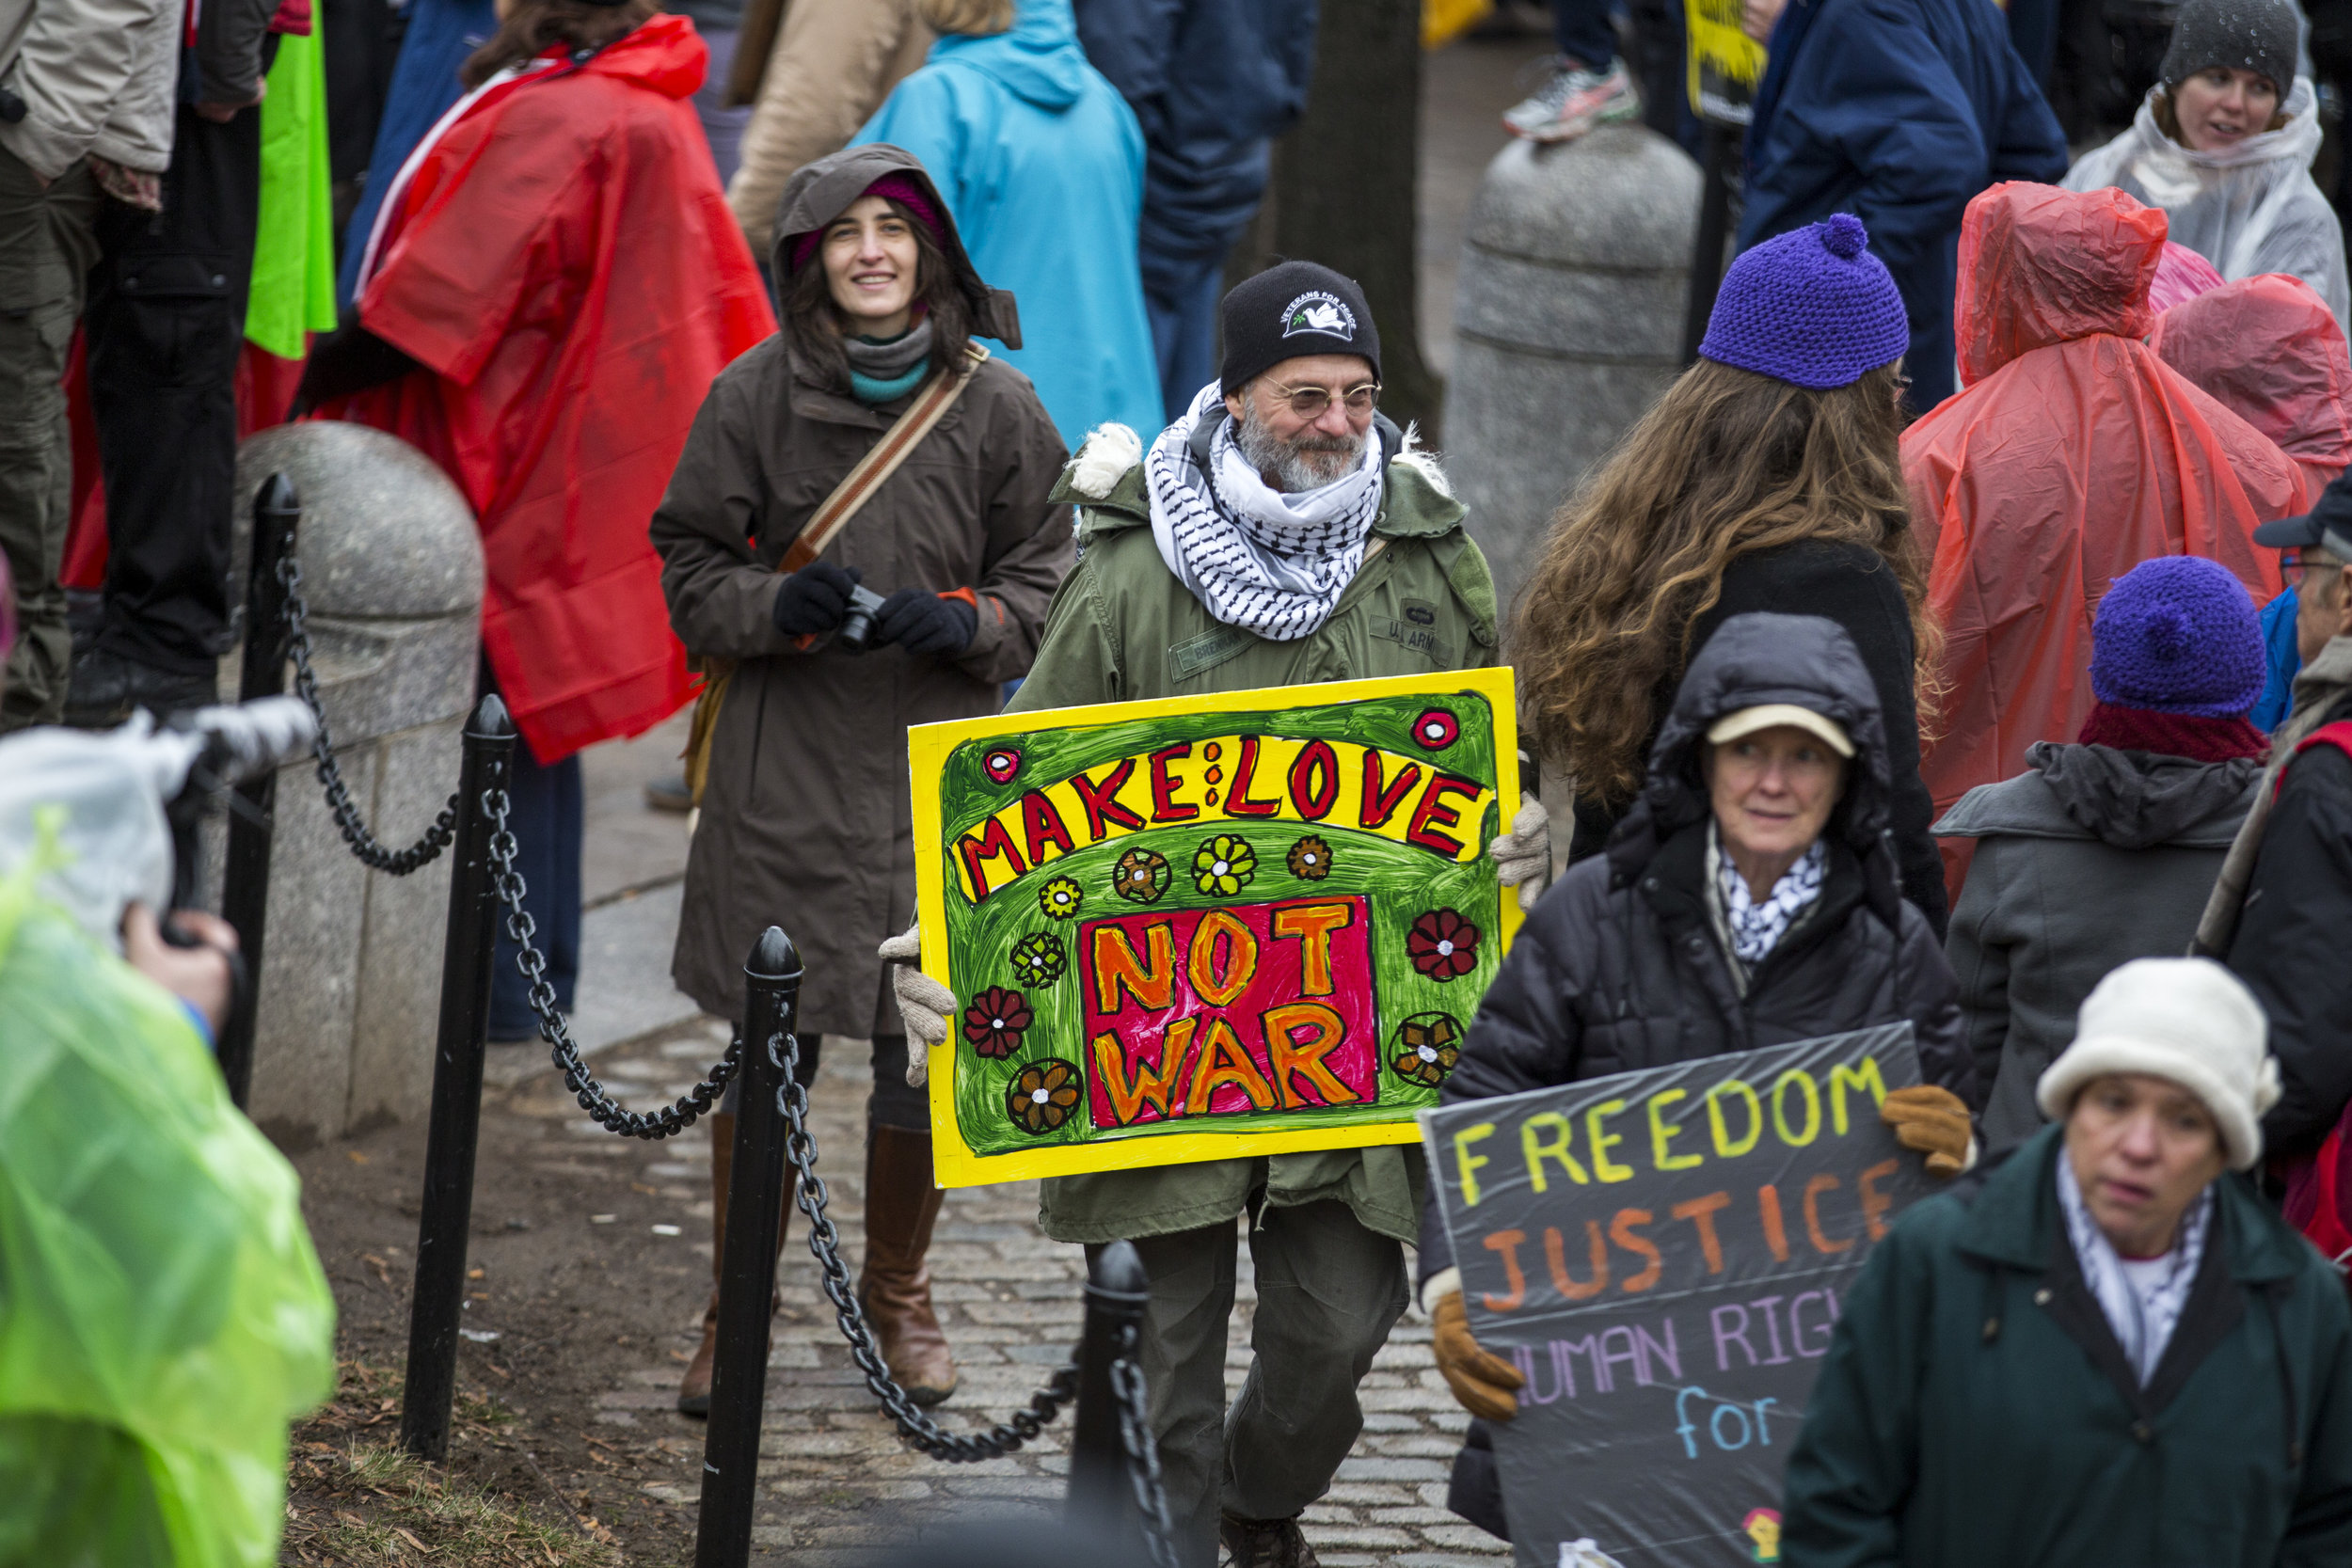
1041,161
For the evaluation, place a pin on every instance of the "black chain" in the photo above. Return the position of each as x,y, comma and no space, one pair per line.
399,863
1142,1453
825,1242
520,928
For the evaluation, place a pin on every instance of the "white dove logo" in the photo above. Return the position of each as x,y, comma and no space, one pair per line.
1319,312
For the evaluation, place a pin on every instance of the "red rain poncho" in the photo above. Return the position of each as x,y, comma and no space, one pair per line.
2074,455
2267,349
565,266
2181,273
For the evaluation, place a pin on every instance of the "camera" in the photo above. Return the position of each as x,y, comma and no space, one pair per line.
856,633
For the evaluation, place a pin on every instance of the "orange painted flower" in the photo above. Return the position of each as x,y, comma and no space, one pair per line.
1044,1095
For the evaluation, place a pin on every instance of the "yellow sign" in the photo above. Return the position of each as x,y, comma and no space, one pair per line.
1725,65
1209,926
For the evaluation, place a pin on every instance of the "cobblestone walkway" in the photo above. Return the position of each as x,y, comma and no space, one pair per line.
835,1482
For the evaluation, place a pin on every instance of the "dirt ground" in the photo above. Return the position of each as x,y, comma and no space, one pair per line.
571,1287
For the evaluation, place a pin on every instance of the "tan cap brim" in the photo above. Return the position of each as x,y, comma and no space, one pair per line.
1731,726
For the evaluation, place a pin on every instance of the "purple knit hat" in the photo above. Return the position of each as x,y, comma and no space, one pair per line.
2178,634
1812,307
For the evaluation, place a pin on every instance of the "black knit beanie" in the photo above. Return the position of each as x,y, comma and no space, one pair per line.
1291,310
2261,36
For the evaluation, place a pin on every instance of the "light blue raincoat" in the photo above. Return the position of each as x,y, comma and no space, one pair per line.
1041,161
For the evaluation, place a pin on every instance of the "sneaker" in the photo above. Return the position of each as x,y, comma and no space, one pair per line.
670,794
1573,101
1264,1543
106,689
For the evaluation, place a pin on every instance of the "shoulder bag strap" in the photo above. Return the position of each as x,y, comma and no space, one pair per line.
858,486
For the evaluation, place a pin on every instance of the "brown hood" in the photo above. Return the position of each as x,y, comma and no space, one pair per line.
821,192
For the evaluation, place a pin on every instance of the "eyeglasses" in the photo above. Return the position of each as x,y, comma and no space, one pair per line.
2294,568
1308,403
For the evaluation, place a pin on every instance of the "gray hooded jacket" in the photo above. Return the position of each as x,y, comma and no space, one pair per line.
2091,858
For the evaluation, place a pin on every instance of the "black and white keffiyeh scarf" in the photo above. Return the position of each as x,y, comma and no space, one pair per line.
1256,558
2145,1309
1756,929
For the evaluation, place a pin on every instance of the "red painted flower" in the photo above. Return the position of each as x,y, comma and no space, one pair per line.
1002,764
1442,945
994,1021
1436,729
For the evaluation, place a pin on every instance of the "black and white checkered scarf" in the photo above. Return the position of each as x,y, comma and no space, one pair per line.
1756,929
1271,562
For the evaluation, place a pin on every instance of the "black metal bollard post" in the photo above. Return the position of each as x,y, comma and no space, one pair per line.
1102,1497
747,1277
244,885
447,1209
1706,265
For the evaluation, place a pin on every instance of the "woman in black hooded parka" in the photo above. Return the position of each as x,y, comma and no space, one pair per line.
1750,897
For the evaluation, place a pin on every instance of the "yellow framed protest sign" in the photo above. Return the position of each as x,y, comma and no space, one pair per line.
1201,928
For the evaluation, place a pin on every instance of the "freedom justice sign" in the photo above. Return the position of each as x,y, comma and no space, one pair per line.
1207,926
1662,1253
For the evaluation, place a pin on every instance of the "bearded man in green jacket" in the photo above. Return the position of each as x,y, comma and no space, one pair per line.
1281,533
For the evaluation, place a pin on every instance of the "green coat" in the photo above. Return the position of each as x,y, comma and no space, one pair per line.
1123,630
1975,1408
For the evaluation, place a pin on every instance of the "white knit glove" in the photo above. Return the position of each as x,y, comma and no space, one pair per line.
1522,856
925,1005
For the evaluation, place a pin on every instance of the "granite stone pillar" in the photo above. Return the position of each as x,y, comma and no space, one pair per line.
1568,324
391,569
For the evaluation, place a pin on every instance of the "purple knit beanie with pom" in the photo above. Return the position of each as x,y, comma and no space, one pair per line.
1812,307
2178,634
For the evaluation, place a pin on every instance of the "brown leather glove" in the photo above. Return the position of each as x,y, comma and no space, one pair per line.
1485,1384
1933,1121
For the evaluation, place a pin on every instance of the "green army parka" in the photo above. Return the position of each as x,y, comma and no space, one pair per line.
1122,629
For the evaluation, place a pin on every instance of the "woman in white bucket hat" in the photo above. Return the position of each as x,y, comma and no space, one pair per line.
2104,1348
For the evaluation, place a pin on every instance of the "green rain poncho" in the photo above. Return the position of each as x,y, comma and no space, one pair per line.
162,1316
294,251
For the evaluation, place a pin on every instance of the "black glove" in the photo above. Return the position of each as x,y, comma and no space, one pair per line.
924,622
814,599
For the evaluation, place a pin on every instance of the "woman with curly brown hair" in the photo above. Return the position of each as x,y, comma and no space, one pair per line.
1768,478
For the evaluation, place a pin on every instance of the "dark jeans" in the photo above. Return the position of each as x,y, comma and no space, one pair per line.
1183,329
545,816
893,1105
47,239
165,323
1581,30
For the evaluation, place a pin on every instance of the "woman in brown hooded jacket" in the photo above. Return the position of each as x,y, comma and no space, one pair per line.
806,820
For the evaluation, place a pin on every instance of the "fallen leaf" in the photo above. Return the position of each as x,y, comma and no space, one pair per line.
411,1539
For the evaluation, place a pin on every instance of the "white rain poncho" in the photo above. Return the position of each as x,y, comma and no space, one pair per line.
2248,209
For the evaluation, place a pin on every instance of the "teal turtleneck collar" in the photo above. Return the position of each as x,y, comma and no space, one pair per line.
882,369
868,389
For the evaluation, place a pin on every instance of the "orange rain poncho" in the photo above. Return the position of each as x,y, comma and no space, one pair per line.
2268,350
2074,455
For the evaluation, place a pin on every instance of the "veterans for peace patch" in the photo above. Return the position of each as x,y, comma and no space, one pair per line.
1319,311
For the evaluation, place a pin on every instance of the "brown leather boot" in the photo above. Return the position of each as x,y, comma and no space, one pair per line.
895,1288
693,1394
